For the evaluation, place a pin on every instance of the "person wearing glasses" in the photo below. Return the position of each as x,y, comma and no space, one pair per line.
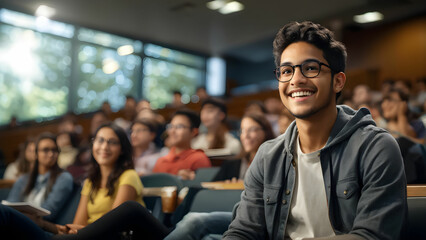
333,174
182,160
401,121
111,180
255,129
46,185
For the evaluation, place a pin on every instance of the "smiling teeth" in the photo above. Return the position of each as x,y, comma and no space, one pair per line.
301,94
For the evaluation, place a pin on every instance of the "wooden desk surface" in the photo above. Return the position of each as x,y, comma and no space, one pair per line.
223,185
416,190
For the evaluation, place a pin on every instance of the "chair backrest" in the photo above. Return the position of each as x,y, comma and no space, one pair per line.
66,215
206,174
202,175
208,200
416,217
4,192
161,180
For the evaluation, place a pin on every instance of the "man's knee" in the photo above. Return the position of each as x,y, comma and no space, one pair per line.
193,220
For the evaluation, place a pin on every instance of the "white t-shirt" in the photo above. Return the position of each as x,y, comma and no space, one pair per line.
232,145
308,215
11,171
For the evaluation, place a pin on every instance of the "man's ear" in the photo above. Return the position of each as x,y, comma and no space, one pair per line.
339,82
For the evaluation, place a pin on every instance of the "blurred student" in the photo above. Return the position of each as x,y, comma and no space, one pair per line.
213,116
127,113
400,121
98,118
182,160
274,108
68,145
255,129
24,163
111,180
81,165
361,94
47,185
202,94
145,152
176,100
256,106
106,108
143,104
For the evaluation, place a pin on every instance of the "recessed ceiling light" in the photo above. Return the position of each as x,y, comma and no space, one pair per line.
368,17
231,7
216,4
225,6
45,11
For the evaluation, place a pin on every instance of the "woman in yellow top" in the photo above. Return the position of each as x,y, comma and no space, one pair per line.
111,180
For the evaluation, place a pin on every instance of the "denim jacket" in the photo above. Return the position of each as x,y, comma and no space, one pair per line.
54,201
363,176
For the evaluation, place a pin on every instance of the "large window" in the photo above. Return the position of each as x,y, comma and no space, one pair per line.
34,71
48,68
170,71
108,70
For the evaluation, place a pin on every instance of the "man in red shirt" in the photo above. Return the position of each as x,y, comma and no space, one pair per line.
182,160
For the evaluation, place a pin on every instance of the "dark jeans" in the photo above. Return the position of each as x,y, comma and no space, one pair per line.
16,225
129,216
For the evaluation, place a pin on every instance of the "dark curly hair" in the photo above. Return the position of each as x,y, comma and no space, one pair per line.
333,51
124,162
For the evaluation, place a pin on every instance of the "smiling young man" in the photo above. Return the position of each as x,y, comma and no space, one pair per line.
333,174
182,160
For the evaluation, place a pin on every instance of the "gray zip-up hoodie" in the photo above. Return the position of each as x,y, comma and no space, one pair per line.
363,176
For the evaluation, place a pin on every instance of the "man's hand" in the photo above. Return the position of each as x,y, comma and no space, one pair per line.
186,174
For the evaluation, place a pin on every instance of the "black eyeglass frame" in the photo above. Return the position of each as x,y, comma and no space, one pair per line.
277,70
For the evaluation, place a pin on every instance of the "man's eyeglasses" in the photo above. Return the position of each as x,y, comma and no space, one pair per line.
177,126
309,69
47,150
101,140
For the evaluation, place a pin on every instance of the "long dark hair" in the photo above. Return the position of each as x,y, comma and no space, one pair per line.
54,171
24,166
123,162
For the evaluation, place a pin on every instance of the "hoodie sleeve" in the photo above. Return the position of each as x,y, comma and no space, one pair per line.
382,207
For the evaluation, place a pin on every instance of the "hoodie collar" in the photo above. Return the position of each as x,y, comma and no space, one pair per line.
347,122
